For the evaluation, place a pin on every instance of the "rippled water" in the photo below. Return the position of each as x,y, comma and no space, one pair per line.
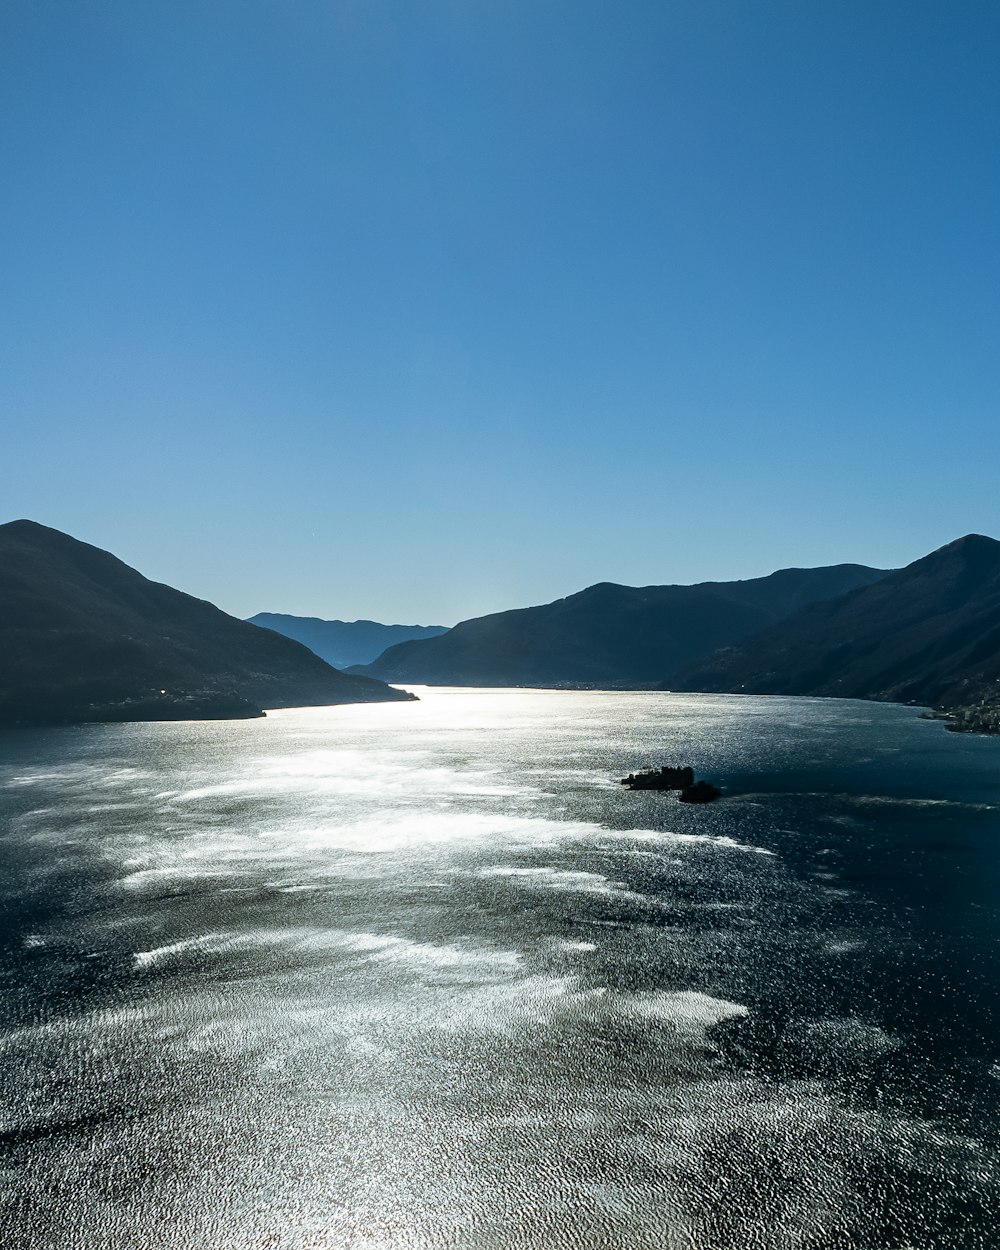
410,976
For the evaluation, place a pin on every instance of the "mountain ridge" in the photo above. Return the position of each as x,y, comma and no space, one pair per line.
84,636
343,643
609,634
928,633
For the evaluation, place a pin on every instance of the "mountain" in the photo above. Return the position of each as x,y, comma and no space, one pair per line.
610,635
929,634
342,643
84,637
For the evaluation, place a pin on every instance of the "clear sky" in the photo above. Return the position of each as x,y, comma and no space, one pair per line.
416,310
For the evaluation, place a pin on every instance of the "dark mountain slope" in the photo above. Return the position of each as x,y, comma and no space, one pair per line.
611,635
85,637
929,633
342,643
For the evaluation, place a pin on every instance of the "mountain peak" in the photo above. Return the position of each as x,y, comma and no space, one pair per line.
24,525
925,634
971,551
972,542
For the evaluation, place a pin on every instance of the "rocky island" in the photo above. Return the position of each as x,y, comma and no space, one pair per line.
670,778
665,778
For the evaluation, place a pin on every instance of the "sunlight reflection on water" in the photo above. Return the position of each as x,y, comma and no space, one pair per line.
425,975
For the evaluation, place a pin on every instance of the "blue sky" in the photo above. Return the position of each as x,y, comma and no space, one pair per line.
420,310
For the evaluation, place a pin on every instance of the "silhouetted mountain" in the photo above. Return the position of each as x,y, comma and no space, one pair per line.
342,643
929,633
611,635
84,637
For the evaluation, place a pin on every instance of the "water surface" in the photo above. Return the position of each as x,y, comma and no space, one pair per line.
421,976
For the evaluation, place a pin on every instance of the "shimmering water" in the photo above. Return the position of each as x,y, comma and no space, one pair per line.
426,976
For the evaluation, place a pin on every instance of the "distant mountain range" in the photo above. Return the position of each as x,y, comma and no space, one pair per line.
927,634
343,643
84,637
610,635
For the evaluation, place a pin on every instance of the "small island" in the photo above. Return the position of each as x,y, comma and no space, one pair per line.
671,778
700,792
665,778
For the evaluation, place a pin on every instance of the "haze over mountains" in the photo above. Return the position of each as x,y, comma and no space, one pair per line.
611,635
85,637
928,634
342,643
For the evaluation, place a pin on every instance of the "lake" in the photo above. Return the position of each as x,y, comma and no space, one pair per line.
403,977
